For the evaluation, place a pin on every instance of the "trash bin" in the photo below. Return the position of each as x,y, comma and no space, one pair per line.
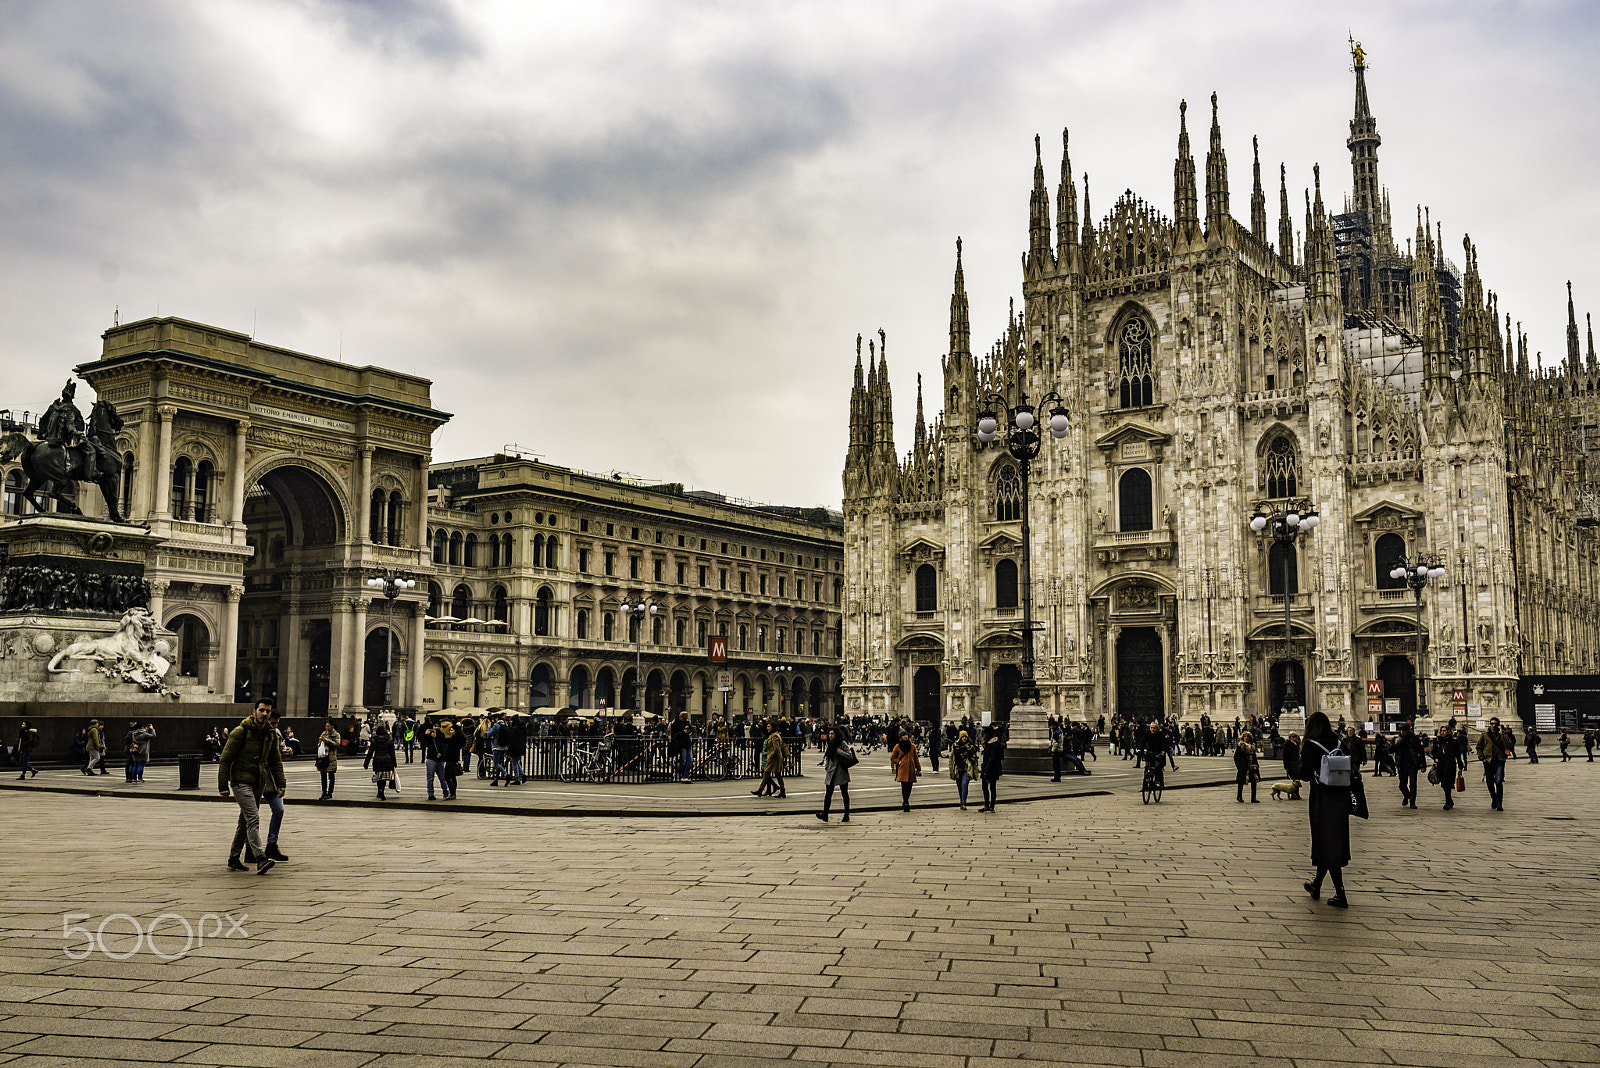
189,771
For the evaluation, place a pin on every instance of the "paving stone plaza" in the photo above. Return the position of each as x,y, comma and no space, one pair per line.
1068,930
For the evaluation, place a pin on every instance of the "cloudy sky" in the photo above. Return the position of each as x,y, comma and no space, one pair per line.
643,236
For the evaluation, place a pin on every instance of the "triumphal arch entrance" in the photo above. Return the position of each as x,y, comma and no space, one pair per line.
279,482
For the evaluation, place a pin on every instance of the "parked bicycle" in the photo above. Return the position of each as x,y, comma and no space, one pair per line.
589,763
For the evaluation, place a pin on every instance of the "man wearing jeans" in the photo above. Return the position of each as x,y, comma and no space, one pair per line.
1493,748
250,769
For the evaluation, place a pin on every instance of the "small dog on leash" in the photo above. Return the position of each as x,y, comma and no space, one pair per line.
1290,790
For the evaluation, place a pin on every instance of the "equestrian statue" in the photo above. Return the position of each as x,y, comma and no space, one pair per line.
69,452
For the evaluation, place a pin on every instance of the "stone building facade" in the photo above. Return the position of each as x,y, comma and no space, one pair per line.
1210,370
548,556
279,482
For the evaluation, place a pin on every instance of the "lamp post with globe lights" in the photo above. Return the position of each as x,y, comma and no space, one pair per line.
1022,440
1287,524
391,584
644,610
1417,570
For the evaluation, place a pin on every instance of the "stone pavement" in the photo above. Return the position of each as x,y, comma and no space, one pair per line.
1089,930
873,788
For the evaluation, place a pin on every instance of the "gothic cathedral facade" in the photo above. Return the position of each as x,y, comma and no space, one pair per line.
1210,371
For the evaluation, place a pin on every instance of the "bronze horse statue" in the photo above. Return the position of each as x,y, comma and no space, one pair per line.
61,467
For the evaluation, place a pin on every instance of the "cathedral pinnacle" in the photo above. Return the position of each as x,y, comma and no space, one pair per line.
1039,256
1218,219
1363,144
1574,361
1185,200
960,330
1285,224
1066,213
1258,199
1593,365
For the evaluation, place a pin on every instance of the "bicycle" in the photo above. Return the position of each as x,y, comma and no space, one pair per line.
1154,780
588,763
716,765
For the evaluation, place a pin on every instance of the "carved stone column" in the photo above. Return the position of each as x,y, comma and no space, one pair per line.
358,653
1112,633
230,640
363,508
162,505
418,648
241,435
145,464
158,598
339,656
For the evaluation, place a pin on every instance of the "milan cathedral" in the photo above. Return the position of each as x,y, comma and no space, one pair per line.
1212,368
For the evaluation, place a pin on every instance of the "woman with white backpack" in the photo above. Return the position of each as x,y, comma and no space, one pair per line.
1326,765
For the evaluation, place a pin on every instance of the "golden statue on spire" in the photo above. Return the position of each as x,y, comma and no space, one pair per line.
1358,53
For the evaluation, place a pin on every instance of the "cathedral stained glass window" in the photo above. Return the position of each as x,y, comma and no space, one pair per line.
1282,468
1008,495
1135,378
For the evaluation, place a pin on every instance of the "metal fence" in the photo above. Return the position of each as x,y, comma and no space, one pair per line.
608,759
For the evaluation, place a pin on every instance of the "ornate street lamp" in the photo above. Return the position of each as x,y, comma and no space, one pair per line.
1287,525
1022,441
644,610
1417,570
392,583
780,672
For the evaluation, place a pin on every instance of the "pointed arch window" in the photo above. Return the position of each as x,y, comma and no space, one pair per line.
542,610
1283,569
1008,495
1135,504
1135,364
1005,584
1388,552
1281,468
927,588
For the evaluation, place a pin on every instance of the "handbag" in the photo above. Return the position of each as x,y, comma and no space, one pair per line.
1461,783
1358,798
845,757
1433,775
322,762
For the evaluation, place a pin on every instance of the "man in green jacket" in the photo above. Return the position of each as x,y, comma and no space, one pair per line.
251,768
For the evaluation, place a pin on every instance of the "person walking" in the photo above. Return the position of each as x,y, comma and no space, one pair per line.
94,746
1291,756
992,766
680,747
1588,744
935,745
514,736
1247,768
772,756
837,756
1563,742
1444,763
1494,749
250,767
448,744
1058,747
1531,741
963,765
274,798
903,758
139,751
382,752
1408,760
1329,809
328,757
27,739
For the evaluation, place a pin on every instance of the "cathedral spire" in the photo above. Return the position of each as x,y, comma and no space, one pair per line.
1593,364
1066,214
1218,219
1574,362
1285,224
1185,205
1258,199
1363,144
1039,259
922,424
960,328
1322,266
1088,218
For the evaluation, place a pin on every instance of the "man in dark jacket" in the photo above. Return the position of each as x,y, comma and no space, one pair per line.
1408,759
680,747
251,768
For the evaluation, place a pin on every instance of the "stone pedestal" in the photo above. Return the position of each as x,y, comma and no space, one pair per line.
1028,752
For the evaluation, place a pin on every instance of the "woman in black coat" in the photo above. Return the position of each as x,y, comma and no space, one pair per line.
1291,756
993,766
383,758
1329,809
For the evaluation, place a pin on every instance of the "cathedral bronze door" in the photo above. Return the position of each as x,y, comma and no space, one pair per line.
925,705
1141,675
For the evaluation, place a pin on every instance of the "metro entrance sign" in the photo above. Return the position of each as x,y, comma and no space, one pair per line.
718,649
1374,688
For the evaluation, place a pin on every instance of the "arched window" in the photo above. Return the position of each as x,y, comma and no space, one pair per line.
14,498
204,478
744,636
541,612
583,623
1005,584
538,550
435,599
469,553
1135,365
1008,495
461,602
1134,506
502,607
376,525
608,626
1281,468
494,550
396,509
633,626
927,588
1280,558
657,630
679,628
127,485
182,473
1389,550
440,547
505,550
550,551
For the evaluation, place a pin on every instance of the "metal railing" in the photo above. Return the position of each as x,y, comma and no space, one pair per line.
640,759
